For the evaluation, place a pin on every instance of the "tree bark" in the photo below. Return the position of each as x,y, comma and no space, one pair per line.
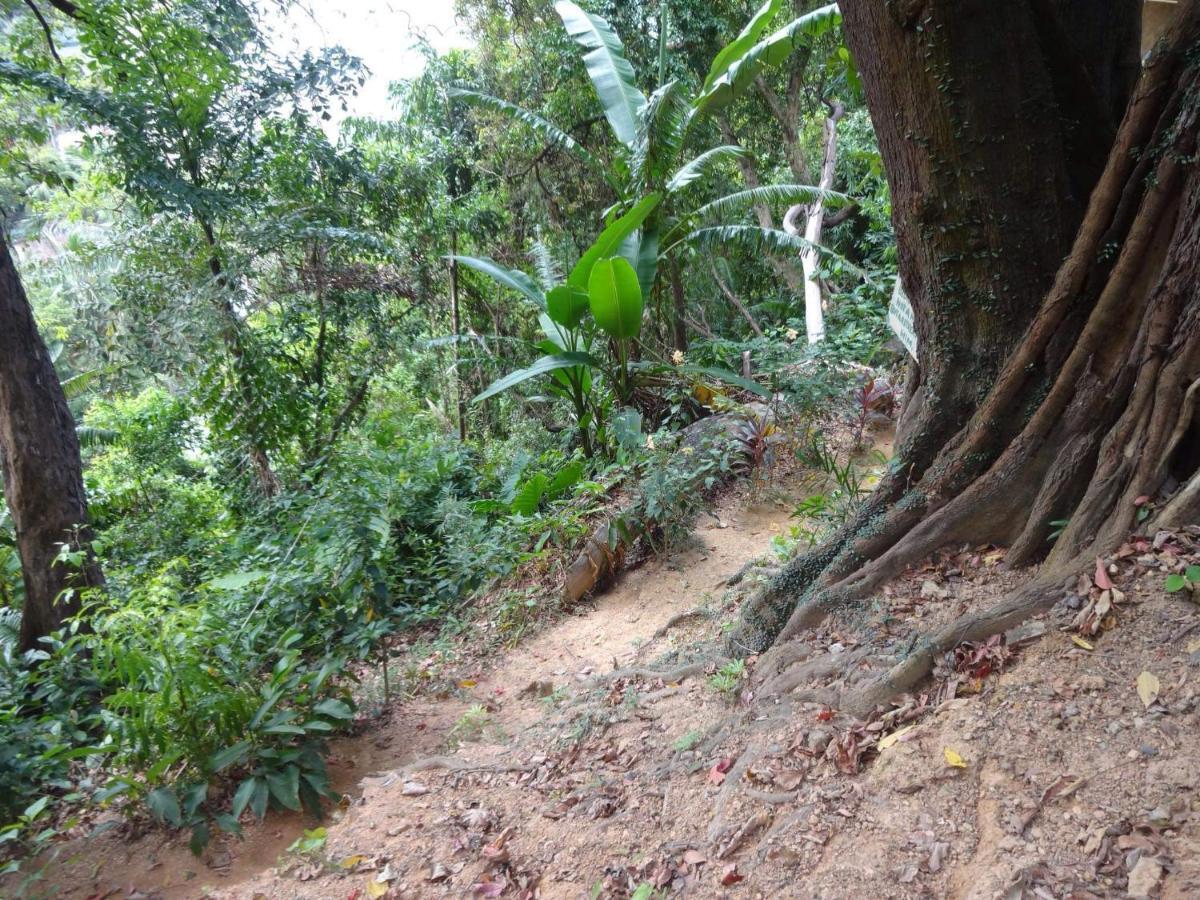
43,474
1088,414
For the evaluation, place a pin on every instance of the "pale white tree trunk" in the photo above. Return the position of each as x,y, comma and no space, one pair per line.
814,312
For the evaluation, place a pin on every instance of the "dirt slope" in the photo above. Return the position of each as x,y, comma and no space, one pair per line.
1036,771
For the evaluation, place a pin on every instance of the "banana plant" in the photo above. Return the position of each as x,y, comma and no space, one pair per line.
652,132
601,301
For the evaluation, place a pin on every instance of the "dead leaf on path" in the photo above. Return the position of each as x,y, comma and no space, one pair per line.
729,875
351,861
489,888
716,775
694,858
953,758
1065,786
888,739
437,872
468,683
1080,642
376,888
1148,687
1102,580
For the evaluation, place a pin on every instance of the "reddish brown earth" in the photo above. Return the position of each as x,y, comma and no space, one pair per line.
1029,771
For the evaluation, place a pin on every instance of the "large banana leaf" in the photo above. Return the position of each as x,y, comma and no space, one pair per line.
610,72
771,51
551,132
610,240
739,46
694,169
615,297
541,367
510,278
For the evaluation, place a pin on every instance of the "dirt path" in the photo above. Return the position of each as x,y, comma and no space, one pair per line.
516,694
1035,771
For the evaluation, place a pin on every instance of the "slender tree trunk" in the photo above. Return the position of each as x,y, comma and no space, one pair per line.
679,339
43,475
1088,414
456,327
235,343
814,302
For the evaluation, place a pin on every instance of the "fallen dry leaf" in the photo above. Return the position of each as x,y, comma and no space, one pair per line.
716,775
1148,687
729,875
413,789
888,739
351,861
1080,642
376,888
953,758
1102,580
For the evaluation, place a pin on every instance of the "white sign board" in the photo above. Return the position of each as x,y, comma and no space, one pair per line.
900,319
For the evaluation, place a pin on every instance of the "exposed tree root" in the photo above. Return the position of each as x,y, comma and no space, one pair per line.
1112,359
669,676
454,764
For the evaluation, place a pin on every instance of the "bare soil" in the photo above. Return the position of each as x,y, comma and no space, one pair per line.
1023,770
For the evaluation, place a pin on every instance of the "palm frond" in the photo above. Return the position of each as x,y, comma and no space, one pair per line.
92,438
771,195
551,132
764,242
694,168
661,130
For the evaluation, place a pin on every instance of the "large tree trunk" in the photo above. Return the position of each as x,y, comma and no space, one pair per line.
1047,389
39,457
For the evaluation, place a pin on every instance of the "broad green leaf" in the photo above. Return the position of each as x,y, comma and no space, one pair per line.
334,709
1192,574
694,169
1175,583
610,240
555,135
565,479
566,305
740,45
285,787
541,367
241,797
615,296
259,798
165,806
222,759
529,497
610,72
771,51
640,249
510,278
201,835
238,580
